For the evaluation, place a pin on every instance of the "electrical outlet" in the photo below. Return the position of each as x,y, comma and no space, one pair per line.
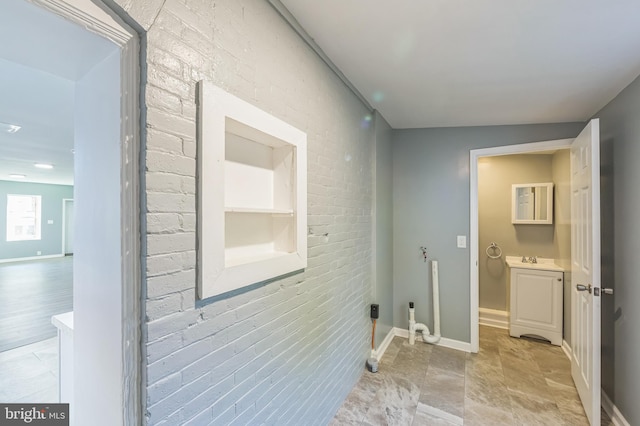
38,252
462,241
50,222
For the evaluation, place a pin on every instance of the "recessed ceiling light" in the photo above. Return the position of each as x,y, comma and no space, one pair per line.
43,166
17,176
9,128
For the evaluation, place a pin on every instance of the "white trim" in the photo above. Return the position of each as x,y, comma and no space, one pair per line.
22,259
494,318
474,155
444,342
566,348
385,344
100,19
612,411
64,226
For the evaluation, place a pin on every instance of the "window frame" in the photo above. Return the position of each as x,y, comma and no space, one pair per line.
12,221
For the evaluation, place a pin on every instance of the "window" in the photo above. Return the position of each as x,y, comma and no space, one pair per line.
23,217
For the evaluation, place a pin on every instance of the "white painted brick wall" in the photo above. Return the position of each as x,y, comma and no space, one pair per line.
287,352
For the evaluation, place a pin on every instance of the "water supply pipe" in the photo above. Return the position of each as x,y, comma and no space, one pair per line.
413,326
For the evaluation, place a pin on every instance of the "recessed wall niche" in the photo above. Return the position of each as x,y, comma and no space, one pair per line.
252,194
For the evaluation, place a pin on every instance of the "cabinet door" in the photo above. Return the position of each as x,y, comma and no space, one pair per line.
536,299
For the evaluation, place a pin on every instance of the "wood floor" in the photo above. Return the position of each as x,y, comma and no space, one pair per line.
29,374
31,293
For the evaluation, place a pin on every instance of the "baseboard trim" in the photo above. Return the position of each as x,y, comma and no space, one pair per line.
612,411
493,318
385,344
566,348
444,342
22,259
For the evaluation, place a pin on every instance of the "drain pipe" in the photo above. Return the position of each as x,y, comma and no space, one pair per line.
413,326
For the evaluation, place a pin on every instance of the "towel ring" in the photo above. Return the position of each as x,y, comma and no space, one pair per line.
497,251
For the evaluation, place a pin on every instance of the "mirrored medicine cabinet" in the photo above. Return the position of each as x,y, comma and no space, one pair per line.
532,203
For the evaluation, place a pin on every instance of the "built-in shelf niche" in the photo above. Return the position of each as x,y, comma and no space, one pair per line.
252,194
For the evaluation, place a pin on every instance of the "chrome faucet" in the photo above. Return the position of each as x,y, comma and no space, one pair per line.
524,259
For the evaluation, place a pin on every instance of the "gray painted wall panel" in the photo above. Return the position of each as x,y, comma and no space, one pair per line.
51,204
383,235
620,175
431,207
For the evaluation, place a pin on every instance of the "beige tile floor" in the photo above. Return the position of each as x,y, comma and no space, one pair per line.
30,373
509,382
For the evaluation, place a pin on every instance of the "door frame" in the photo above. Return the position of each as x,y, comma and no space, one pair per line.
474,279
64,225
98,18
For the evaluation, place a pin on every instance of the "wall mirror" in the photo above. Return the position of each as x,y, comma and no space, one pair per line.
532,203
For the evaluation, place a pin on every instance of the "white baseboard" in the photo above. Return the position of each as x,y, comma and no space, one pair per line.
566,348
22,259
385,344
612,411
444,342
493,318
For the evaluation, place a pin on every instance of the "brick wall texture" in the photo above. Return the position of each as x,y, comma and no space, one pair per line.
287,352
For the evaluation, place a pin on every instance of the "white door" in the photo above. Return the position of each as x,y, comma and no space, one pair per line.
585,268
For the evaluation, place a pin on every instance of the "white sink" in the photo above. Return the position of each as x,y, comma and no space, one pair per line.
544,264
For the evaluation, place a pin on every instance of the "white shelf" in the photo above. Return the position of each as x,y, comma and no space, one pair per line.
237,261
258,210
252,210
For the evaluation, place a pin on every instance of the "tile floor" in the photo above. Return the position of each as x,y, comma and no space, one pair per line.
509,382
30,373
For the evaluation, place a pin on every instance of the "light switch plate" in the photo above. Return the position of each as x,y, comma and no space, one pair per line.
50,222
462,241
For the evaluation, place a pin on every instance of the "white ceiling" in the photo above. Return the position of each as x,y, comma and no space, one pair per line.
41,58
438,63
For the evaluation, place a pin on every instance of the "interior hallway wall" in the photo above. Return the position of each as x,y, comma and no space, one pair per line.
285,351
383,223
50,242
620,204
431,207
495,177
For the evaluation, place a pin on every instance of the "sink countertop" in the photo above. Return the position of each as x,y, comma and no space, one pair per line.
544,264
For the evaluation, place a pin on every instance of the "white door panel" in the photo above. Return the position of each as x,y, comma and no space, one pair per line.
585,261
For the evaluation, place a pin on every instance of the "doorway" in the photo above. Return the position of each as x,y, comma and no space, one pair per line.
585,257
106,202
475,156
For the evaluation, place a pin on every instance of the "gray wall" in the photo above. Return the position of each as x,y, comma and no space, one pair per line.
495,177
383,223
282,352
431,207
51,242
620,174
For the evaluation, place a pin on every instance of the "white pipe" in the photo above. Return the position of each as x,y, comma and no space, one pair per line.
413,326
435,282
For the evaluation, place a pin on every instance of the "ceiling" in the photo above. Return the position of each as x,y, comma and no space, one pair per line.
440,63
38,72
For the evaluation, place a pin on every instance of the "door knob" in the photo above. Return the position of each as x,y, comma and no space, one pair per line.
607,290
581,287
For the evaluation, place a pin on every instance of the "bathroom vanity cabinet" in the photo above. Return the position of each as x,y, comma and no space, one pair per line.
536,302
